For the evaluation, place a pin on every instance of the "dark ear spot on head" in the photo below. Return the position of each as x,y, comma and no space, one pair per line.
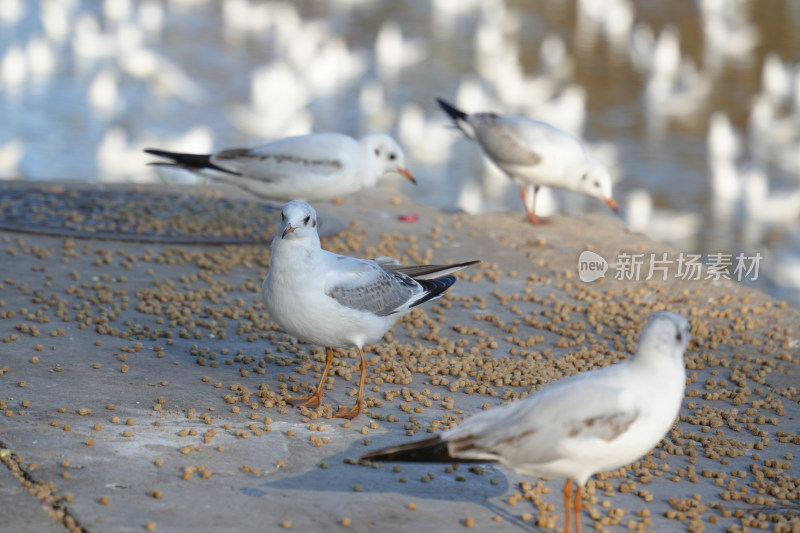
585,175
597,184
377,151
679,337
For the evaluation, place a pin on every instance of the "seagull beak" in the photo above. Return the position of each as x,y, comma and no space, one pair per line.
405,172
287,230
612,204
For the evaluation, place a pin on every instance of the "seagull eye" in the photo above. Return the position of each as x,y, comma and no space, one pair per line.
392,157
377,151
679,337
307,219
585,175
283,216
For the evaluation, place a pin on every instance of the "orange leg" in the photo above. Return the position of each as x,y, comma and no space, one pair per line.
567,498
577,508
352,414
532,218
314,399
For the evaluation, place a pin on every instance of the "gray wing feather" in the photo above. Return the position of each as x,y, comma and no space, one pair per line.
507,139
383,295
421,271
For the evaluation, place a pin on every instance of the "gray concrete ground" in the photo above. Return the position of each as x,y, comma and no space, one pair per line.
141,385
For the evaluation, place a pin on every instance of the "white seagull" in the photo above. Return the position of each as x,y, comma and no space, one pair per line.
339,301
534,153
313,167
578,426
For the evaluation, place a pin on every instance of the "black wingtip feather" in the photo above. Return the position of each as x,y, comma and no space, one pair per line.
188,161
434,288
455,113
191,161
433,450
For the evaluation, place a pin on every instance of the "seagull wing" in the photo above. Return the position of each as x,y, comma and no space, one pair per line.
365,285
569,415
521,141
318,154
421,272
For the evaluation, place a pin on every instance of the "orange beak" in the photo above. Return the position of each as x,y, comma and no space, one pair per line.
612,204
405,172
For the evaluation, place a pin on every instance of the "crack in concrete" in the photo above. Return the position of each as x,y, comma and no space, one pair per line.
47,494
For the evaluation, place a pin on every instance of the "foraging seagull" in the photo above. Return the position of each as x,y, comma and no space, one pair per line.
575,427
534,153
317,166
338,301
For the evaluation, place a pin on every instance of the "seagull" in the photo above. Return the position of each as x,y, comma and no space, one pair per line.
578,426
312,167
534,153
338,301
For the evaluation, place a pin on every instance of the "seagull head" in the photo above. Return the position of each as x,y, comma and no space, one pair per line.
388,155
664,339
595,181
298,220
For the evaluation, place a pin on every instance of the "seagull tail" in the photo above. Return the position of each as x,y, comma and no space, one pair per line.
187,161
433,288
455,113
459,117
420,272
433,450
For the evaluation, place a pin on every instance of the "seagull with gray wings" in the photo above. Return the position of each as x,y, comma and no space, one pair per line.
534,153
575,427
338,301
317,166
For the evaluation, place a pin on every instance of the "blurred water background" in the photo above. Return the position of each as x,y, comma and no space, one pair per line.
693,104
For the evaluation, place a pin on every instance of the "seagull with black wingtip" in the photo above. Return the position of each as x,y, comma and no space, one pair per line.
338,301
586,423
312,167
534,153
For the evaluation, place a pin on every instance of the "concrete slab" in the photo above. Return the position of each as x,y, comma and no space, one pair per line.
144,382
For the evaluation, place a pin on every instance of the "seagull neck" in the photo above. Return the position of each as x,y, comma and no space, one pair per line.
370,171
657,361
294,246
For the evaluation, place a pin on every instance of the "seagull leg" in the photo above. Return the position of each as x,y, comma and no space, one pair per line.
314,399
352,414
567,501
577,508
532,218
